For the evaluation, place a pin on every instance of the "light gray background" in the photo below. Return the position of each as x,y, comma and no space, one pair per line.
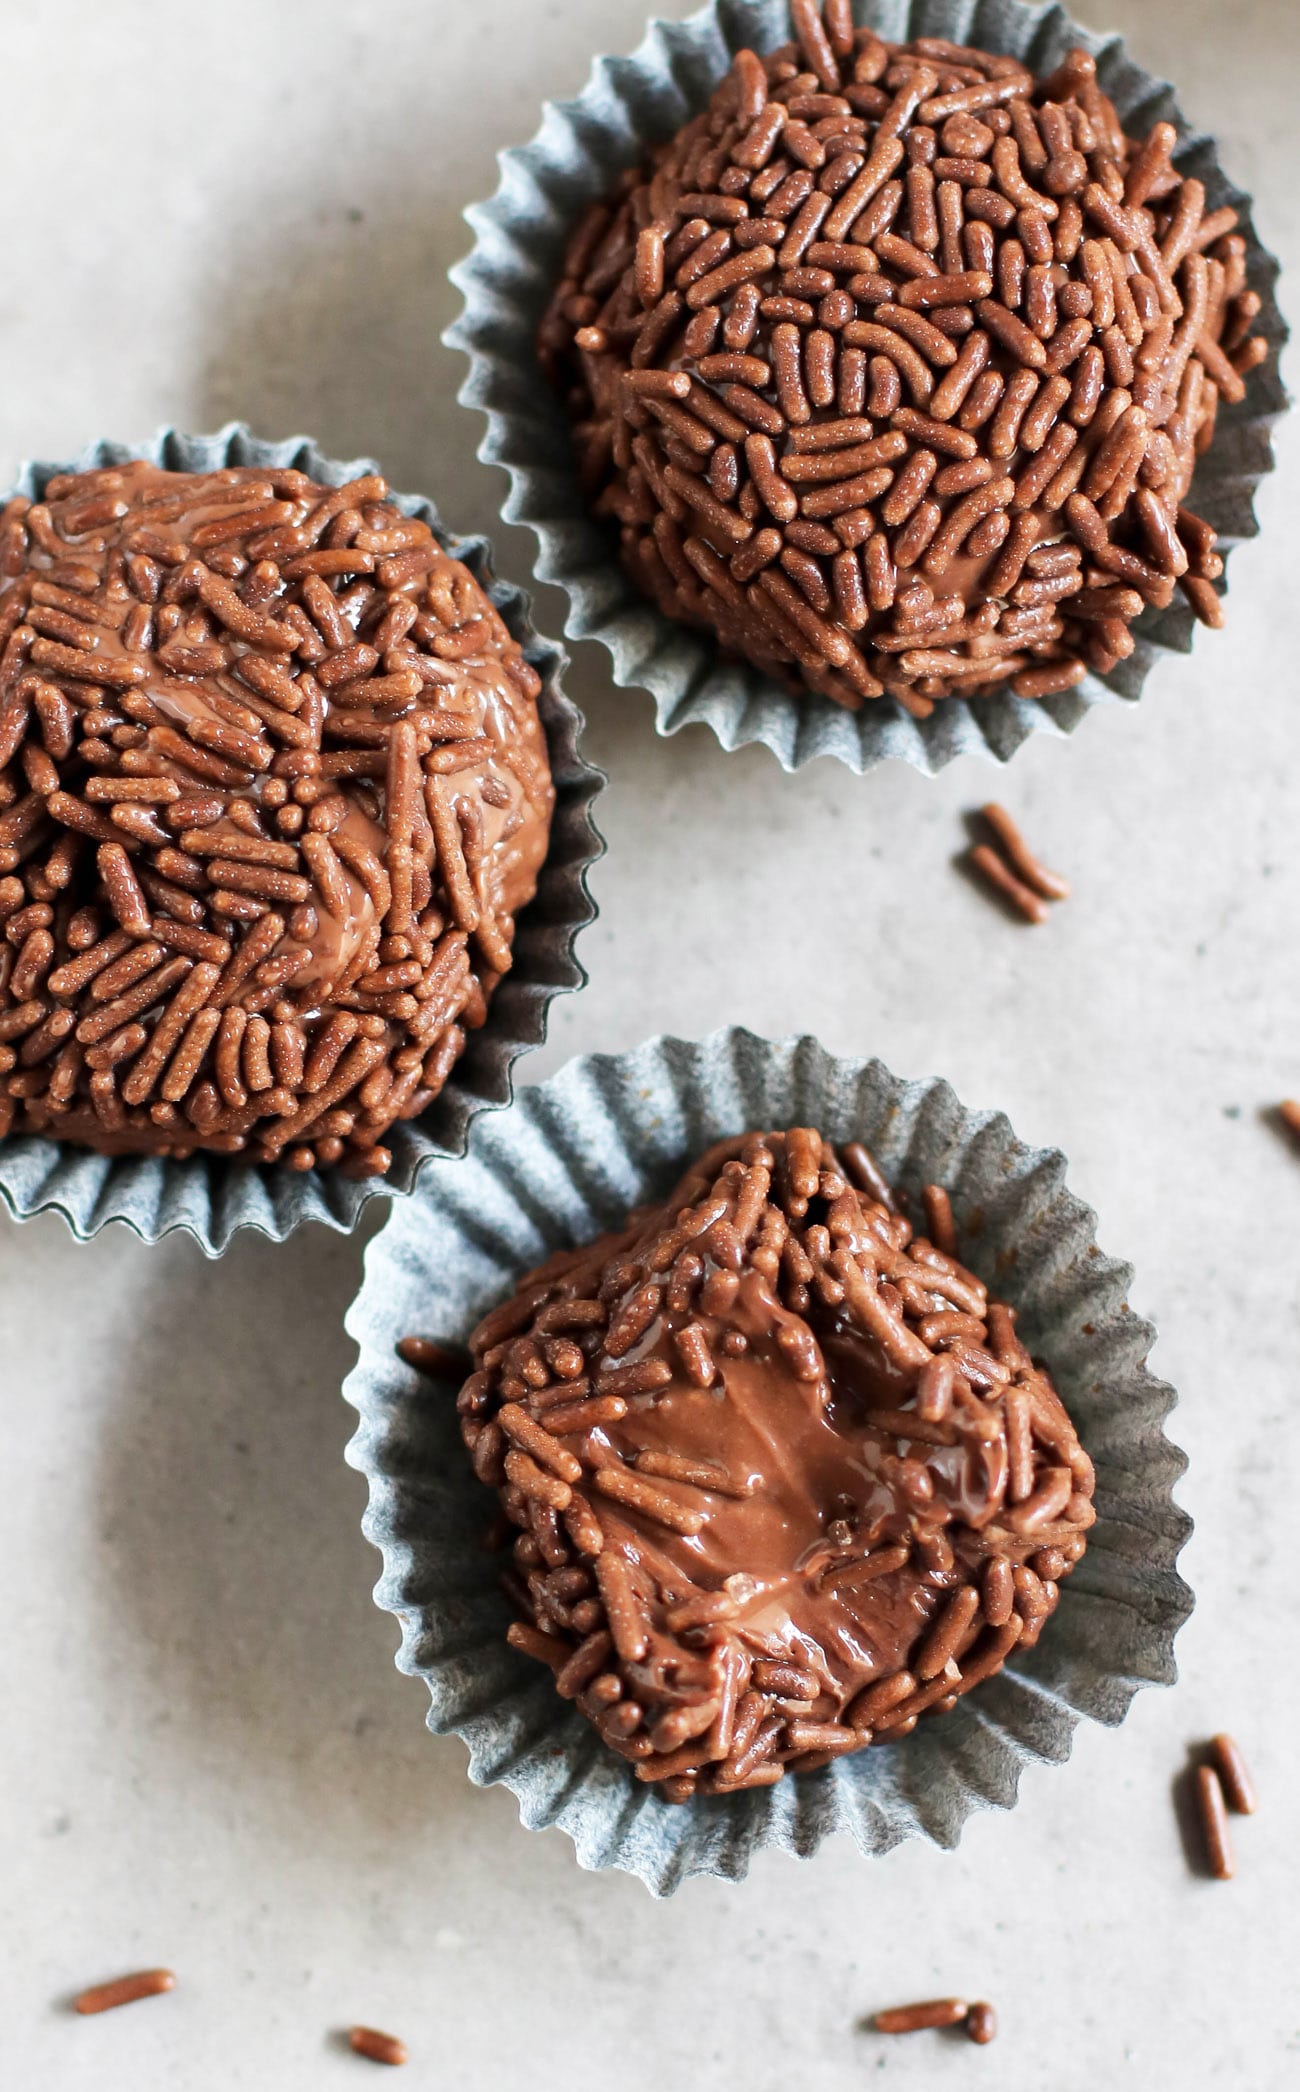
208,1759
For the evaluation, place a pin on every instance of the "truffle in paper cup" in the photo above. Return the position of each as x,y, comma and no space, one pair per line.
520,238
568,1161
211,1197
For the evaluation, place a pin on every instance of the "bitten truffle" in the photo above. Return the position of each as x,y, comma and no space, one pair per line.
892,368
784,1476
273,786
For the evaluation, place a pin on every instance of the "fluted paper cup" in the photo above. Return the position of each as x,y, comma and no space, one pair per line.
210,1197
519,242
566,1162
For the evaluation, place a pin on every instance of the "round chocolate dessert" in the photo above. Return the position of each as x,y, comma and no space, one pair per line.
893,367
784,1476
273,787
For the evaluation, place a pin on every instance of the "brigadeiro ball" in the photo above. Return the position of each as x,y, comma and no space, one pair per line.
893,367
784,1476
272,789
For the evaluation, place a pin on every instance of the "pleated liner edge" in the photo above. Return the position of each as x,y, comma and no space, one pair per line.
566,1161
210,1198
505,279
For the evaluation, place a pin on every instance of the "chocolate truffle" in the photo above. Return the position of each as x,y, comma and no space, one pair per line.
893,366
784,1475
273,786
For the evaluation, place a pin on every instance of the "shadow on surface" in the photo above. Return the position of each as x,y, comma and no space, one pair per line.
233,1557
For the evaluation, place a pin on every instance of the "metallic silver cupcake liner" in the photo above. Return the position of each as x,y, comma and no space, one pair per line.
520,237
567,1161
209,1197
